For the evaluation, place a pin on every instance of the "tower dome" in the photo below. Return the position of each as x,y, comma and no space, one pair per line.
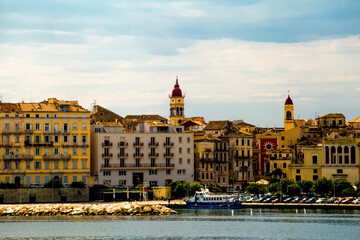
176,92
288,100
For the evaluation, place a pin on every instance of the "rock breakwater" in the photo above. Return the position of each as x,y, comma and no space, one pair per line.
124,208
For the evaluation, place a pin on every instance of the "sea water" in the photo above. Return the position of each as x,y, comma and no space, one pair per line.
191,224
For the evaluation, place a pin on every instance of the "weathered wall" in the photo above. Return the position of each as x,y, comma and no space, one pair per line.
44,195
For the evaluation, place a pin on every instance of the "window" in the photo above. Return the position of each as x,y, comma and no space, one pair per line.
188,161
339,171
27,126
83,179
315,171
188,140
75,151
180,150
37,179
180,139
37,165
46,138
75,161
314,159
180,160
298,178
75,179
181,171
122,173
65,127
66,164
83,164
83,126
297,170
168,172
56,139
106,173
7,126
152,172
47,165
74,139
47,115
275,165
6,115
17,126
46,127
74,126
66,179
27,115
56,151
153,183
55,116
28,165
315,177
7,165
284,165
56,164
7,179
84,139
37,151
28,180
83,151
282,138
47,179
188,150
83,116
65,139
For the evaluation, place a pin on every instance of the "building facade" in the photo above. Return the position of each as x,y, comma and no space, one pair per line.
45,140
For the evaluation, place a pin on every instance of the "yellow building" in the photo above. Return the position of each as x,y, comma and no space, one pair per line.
177,111
289,114
45,140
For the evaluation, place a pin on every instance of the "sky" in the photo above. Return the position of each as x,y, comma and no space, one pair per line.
234,59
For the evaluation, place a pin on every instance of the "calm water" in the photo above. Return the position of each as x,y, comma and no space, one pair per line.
192,224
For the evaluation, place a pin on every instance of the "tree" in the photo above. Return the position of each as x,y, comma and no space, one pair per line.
179,189
274,187
54,183
323,186
306,185
284,183
196,186
293,189
78,185
255,188
340,185
357,185
277,173
348,192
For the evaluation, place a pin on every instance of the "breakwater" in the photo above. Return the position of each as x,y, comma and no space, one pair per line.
123,208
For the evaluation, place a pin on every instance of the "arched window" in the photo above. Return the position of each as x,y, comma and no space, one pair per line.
288,115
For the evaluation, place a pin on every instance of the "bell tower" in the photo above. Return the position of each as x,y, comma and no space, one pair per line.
177,114
288,114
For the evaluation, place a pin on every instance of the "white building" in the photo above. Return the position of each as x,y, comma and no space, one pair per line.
156,154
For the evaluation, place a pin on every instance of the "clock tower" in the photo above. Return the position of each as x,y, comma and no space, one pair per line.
177,114
288,114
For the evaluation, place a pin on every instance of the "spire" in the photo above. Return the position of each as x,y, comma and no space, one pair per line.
177,80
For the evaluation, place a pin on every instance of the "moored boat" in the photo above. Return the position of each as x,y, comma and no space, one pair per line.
206,200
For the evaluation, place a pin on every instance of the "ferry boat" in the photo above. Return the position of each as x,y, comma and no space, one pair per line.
206,200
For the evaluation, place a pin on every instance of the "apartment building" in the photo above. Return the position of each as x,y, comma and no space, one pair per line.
45,140
155,154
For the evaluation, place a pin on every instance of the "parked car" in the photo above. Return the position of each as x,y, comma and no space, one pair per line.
295,200
339,200
120,186
276,200
331,200
322,200
303,199
356,201
311,200
287,200
347,200
36,185
268,200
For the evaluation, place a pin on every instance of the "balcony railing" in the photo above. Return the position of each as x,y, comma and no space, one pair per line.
124,155
207,159
65,131
7,144
42,143
138,154
123,144
138,144
18,157
168,144
153,144
153,154
168,154
57,157
107,144
28,131
107,155
142,165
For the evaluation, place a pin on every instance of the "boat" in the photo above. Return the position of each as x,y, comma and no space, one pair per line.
205,200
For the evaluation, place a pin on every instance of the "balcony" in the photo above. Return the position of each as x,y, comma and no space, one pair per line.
123,144
138,144
30,131
153,144
124,155
16,131
7,144
65,131
47,132
207,159
42,143
18,157
168,154
168,144
107,155
76,144
57,157
208,150
153,154
107,144
138,166
138,154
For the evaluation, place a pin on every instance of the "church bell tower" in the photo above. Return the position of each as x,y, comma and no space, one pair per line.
177,114
289,122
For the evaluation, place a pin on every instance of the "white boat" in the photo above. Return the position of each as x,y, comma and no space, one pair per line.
206,200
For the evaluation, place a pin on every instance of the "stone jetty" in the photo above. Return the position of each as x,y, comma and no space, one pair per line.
67,209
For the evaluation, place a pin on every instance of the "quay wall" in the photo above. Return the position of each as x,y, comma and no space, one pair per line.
43,195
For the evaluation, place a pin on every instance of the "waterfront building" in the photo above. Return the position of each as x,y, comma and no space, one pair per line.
155,154
266,144
43,141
